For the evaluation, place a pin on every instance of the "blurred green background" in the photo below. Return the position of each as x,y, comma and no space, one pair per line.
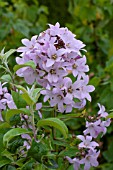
92,22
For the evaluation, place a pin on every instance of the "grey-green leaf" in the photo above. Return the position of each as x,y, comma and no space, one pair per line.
56,123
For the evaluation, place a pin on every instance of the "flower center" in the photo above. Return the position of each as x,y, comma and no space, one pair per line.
74,66
60,97
70,90
52,71
54,56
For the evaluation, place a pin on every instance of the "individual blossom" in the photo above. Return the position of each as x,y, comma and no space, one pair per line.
97,126
78,67
90,159
87,142
102,112
104,125
93,128
61,101
75,162
29,45
85,89
38,107
53,56
6,99
27,140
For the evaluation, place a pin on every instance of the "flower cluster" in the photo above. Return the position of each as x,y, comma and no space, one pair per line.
56,54
5,100
89,153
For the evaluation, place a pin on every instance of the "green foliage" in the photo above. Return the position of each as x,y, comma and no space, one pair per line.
54,122
92,22
37,150
12,133
29,64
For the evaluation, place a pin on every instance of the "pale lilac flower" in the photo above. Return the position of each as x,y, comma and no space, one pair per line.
87,142
29,45
60,100
75,162
10,102
90,159
55,52
102,112
105,124
6,100
71,89
85,89
93,128
38,107
80,105
53,56
78,67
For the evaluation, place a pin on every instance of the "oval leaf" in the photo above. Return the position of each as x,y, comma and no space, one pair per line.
25,95
12,133
54,122
13,112
8,53
110,115
4,162
27,64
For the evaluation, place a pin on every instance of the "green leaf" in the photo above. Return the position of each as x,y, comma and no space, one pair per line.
4,125
13,112
18,100
28,165
71,151
110,115
27,98
20,161
19,87
12,133
25,95
108,155
6,78
4,162
36,94
7,155
9,167
15,143
21,27
51,164
8,53
60,143
27,64
70,116
54,122
37,150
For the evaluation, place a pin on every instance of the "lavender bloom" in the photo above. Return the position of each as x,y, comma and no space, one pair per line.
75,162
38,107
85,89
78,67
27,140
105,124
5,100
55,52
53,56
60,100
102,112
90,159
99,126
10,102
93,128
29,45
86,142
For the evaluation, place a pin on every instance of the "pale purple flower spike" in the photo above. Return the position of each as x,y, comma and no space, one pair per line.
56,52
